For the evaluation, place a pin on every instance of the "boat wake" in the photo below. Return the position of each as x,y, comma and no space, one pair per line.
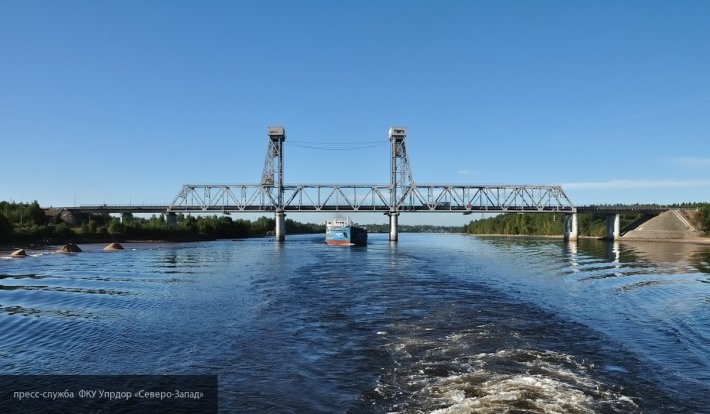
437,377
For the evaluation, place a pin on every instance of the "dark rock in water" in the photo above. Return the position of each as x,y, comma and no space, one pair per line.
113,246
19,253
69,248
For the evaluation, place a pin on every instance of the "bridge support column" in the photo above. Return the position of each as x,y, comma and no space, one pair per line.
570,227
280,229
171,219
393,226
613,227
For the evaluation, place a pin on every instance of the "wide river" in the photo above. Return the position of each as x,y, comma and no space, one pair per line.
434,323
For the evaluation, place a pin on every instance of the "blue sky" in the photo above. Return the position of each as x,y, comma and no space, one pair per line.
125,101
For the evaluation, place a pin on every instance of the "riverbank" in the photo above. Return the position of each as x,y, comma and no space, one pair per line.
106,239
97,238
26,224
672,225
696,240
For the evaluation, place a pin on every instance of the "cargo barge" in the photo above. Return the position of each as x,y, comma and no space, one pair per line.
341,232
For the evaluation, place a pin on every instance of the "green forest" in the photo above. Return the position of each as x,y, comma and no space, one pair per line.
531,224
592,225
27,222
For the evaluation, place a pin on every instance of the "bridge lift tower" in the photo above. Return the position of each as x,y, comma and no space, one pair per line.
401,180
272,177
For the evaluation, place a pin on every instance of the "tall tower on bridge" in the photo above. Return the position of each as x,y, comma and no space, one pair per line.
272,177
400,175
271,195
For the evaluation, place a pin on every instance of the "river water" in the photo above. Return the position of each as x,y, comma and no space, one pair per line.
434,323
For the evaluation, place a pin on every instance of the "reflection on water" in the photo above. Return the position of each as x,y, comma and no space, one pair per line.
434,323
677,255
651,297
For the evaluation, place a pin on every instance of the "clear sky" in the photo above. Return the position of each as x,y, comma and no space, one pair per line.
125,101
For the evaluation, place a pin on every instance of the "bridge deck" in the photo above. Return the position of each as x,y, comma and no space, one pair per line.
363,197
461,199
624,209
157,209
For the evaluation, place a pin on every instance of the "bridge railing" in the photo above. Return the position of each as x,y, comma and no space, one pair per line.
117,208
625,208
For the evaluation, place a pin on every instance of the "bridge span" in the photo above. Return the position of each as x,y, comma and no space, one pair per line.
401,195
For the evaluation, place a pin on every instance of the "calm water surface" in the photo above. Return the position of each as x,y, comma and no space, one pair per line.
434,323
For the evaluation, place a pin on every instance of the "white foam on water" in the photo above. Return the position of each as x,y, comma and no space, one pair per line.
509,380
502,393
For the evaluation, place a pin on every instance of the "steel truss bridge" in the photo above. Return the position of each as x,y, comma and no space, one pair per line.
401,195
464,199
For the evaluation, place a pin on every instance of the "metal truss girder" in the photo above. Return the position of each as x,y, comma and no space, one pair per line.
224,198
320,197
467,199
361,197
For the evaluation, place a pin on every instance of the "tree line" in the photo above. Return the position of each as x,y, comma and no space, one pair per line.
589,224
27,222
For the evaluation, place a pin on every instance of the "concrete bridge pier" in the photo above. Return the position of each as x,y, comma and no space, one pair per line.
171,219
613,227
570,227
280,229
393,226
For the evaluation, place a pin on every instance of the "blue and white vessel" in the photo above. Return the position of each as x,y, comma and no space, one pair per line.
341,232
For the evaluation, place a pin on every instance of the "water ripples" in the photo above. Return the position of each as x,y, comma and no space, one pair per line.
508,364
432,324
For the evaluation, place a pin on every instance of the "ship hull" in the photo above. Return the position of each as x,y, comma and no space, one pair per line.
346,236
